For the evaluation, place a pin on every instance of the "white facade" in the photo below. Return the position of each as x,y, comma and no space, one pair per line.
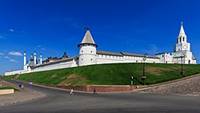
88,55
182,53
58,65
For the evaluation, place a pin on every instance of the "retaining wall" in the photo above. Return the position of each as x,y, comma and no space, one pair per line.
6,91
101,88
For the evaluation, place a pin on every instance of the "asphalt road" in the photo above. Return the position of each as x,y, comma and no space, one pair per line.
58,101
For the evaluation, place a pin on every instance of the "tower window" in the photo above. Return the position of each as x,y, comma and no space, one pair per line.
91,51
91,59
180,39
183,39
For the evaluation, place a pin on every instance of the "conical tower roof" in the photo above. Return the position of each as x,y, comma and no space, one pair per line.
182,32
87,39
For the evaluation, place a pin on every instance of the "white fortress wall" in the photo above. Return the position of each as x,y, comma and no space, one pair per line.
152,60
107,59
15,72
60,65
165,58
102,59
132,59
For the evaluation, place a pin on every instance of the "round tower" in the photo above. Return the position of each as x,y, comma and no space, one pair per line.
87,53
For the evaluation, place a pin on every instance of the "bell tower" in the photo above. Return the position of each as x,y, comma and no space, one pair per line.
183,53
182,44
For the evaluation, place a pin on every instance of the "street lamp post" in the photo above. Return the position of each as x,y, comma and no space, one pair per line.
182,56
132,80
144,65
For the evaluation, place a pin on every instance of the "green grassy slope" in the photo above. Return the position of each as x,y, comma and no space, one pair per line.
8,87
109,74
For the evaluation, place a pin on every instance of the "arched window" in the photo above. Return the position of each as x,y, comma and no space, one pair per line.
183,39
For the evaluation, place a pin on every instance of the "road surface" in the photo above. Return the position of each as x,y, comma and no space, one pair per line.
58,101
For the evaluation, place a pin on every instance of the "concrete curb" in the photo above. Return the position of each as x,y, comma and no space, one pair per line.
68,90
6,91
115,92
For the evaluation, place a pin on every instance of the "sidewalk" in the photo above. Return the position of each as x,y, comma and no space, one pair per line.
139,89
19,96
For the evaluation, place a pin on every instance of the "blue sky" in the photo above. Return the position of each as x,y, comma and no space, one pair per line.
52,27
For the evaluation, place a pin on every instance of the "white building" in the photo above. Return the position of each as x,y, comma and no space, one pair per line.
182,53
88,55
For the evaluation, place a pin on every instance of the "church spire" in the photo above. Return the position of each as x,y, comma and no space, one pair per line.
182,37
182,32
182,43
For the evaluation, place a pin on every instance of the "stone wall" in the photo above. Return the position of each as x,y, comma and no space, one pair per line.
101,88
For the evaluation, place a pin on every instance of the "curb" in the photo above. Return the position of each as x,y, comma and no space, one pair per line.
116,92
75,91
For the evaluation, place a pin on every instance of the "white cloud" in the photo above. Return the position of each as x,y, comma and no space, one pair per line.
1,54
15,53
11,30
12,60
6,57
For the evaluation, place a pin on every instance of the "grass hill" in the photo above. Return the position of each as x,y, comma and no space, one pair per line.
109,74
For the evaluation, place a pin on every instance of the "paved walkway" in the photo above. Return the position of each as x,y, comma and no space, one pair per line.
58,101
186,86
22,95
